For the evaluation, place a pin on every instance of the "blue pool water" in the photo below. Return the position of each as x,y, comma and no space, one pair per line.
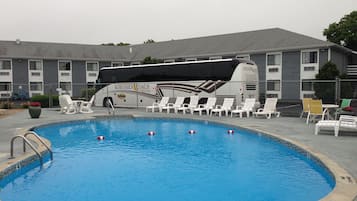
173,165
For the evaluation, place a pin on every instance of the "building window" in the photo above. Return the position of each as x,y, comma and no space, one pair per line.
307,85
35,65
4,73
243,57
169,60
308,95
36,86
215,58
64,65
90,84
5,86
191,59
274,59
309,57
66,86
135,63
92,66
35,74
309,68
273,70
272,96
115,64
5,64
273,85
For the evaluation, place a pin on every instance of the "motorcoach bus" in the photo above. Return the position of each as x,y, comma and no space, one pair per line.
141,85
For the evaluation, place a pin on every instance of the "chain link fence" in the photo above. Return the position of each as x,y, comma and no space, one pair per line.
289,92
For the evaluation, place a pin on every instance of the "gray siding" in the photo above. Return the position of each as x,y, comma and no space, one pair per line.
323,57
78,77
20,75
105,63
50,76
291,76
339,59
260,59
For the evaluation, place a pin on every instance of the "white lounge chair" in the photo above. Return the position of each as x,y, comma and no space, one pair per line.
225,107
269,109
67,105
187,107
345,123
247,108
173,106
86,106
163,102
211,101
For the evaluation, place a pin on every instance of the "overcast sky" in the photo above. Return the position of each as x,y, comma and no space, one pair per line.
134,21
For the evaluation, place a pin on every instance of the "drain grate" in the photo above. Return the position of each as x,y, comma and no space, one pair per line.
348,179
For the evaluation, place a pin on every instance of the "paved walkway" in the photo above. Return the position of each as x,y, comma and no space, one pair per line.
342,149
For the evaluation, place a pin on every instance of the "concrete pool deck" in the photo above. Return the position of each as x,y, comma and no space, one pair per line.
342,149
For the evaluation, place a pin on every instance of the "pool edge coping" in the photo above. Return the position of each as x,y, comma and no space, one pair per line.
345,184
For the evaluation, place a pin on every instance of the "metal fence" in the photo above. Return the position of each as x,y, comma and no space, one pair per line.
288,91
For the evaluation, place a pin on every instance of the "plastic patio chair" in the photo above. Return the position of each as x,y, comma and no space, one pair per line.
315,109
305,106
86,106
211,101
269,109
187,107
344,104
225,107
247,108
163,102
345,123
173,106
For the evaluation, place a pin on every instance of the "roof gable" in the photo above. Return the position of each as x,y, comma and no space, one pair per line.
236,43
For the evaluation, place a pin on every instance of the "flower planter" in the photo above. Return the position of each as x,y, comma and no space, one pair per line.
35,110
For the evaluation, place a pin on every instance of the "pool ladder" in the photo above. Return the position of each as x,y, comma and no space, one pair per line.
110,104
25,141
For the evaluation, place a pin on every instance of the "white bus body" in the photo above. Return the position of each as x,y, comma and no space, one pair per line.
242,83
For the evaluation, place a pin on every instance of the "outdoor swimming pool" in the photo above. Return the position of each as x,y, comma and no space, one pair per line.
171,165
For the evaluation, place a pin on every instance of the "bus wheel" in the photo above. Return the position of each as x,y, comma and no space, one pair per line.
105,101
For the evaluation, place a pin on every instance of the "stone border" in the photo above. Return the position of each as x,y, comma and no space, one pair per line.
344,190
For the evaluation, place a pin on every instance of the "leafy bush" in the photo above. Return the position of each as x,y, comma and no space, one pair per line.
87,93
45,99
6,105
327,90
25,105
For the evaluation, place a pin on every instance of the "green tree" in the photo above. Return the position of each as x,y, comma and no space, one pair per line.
108,44
327,90
328,71
344,32
149,41
151,60
123,44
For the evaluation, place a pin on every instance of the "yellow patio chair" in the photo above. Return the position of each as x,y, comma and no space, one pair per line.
305,106
315,110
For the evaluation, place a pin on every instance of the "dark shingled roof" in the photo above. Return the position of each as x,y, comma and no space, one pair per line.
267,40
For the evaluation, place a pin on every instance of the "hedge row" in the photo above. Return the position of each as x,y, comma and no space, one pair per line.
45,100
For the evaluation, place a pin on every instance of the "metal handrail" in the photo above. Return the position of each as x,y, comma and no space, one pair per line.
40,139
24,147
110,104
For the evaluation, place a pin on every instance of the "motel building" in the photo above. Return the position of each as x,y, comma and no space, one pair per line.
287,61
